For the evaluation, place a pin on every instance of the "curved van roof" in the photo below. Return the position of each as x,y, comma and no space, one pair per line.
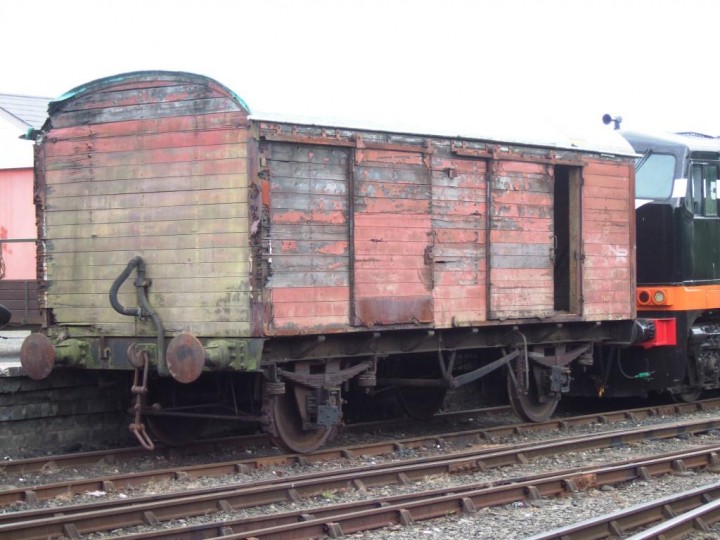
472,125
671,142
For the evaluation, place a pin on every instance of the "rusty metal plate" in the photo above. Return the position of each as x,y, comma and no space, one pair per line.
394,310
185,358
37,356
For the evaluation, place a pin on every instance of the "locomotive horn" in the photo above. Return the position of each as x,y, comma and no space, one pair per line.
607,119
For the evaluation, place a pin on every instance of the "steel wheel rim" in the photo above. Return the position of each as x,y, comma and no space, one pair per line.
287,421
526,406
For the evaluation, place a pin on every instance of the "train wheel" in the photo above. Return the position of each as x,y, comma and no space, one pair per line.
689,396
421,403
282,419
528,406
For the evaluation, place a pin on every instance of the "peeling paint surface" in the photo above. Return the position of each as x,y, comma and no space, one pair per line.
424,235
521,273
308,228
156,168
393,236
254,227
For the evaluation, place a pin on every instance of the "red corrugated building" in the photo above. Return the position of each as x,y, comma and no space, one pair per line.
18,274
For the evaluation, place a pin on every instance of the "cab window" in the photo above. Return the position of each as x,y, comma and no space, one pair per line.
703,189
654,174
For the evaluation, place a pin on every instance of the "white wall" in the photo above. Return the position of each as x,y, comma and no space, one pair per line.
15,153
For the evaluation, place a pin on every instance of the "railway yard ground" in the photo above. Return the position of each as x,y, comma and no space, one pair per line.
478,474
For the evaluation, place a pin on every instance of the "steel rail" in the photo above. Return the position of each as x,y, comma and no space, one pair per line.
680,526
155,509
405,510
61,461
330,514
45,463
669,512
32,494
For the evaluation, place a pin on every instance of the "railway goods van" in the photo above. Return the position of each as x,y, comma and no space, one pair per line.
267,270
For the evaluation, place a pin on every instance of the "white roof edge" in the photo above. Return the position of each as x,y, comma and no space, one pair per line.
695,144
11,118
600,140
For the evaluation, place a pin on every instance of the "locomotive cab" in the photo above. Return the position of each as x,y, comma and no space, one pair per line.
678,264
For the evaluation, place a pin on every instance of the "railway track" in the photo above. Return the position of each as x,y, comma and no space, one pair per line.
254,441
40,492
84,518
671,517
488,434
406,510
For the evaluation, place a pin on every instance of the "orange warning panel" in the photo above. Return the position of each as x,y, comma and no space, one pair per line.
678,298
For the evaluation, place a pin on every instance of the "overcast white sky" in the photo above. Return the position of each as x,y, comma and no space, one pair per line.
653,62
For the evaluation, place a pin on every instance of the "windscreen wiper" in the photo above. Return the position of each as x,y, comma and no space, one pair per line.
643,159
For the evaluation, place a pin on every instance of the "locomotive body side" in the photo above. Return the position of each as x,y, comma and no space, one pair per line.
678,234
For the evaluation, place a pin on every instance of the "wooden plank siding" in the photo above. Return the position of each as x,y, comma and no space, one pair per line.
219,104
252,227
521,270
421,247
156,168
309,251
608,223
392,239
459,224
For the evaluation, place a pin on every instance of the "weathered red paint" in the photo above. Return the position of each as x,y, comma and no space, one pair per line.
147,142
168,125
288,246
310,294
334,248
424,238
326,229
298,216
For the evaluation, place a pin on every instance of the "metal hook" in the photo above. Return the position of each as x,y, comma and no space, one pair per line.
137,427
